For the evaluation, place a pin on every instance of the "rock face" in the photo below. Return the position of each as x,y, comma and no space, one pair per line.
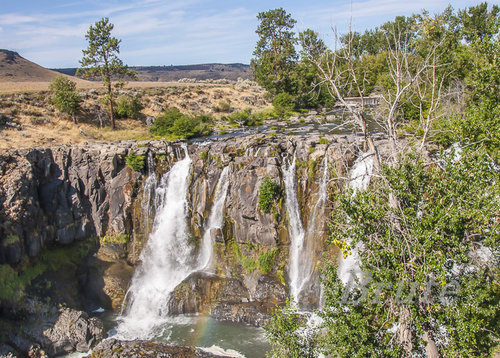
58,195
115,348
65,332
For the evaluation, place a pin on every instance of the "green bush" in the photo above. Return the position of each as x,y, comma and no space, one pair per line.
114,239
173,124
268,193
127,107
265,261
135,161
244,118
223,107
249,264
65,97
283,104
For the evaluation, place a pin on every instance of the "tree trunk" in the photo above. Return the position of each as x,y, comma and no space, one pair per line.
430,348
110,99
111,116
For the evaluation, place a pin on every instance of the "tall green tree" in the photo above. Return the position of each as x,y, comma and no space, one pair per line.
275,53
100,59
65,97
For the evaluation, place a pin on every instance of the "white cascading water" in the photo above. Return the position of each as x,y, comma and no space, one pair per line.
296,230
149,189
214,221
316,219
166,260
361,172
322,196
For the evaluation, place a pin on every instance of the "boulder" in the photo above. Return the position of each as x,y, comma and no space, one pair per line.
69,331
146,349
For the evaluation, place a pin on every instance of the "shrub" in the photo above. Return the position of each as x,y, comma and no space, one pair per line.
249,264
223,107
164,122
135,161
244,118
283,104
172,123
204,156
265,261
114,239
127,107
65,97
268,193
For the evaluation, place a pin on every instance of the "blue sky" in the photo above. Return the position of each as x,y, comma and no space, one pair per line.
164,32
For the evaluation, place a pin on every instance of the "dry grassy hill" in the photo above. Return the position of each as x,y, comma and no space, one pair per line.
14,68
18,74
27,118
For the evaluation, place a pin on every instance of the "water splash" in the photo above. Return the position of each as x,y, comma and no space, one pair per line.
214,221
297,234
165,261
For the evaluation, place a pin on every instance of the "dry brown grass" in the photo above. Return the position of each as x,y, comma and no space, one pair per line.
30,87
28,104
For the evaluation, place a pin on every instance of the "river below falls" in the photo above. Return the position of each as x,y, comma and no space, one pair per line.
233,339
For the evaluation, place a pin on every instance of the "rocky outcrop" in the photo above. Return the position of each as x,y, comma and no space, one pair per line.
54,196
147,349
62,194
55,334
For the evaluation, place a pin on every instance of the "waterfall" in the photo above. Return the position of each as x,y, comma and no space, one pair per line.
315,225
165,261
313,218
349,267
215,220
302,246
296,230
149,189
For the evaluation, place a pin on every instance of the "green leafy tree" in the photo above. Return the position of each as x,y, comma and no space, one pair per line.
100,60
427,288
285,332
308,92
65,97
275,53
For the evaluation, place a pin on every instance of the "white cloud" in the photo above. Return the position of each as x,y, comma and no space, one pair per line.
16,19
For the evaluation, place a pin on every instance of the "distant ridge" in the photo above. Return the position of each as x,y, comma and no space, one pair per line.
15,68
206,71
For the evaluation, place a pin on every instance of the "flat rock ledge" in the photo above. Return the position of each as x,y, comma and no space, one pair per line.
138,348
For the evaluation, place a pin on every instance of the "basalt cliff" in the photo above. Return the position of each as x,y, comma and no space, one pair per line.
85,198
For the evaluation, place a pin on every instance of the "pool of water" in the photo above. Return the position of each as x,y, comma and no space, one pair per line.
236,339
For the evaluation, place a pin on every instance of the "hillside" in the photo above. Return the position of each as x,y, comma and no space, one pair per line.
213,71
14,68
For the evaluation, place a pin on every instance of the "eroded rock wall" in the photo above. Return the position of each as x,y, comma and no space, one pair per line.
54,196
